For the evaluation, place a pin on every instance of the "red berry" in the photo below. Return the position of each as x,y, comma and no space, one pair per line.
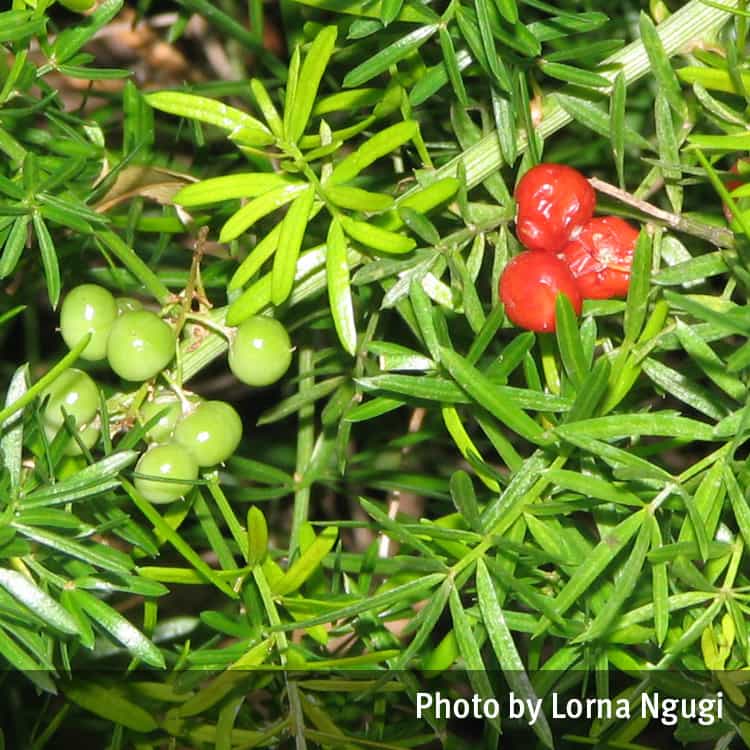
600,257
553,202
734,184
529,287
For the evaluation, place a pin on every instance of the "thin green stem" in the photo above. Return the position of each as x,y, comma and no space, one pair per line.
305,444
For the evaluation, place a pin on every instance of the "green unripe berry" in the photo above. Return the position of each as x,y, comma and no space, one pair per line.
261,351
168,461
78,6
76,393
168,406
88,435
127,304
140,345
88,308
211,433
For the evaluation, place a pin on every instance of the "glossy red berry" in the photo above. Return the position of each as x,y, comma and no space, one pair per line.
600,257
740,167
553,201
529,287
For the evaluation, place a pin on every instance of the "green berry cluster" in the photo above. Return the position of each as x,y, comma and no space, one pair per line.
208,434
184,434
137,343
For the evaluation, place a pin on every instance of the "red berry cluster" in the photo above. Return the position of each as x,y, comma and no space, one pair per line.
569,252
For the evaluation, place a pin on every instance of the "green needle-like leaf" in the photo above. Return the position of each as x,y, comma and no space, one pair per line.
256,209
120,629
292,234
339,287
381,61
505,649
244,185
484,392
316,61
241,127
38,601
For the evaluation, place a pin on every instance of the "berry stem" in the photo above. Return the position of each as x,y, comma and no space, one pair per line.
717,236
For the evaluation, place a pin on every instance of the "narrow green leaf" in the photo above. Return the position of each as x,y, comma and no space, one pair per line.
106,702
373,408
165,531
395,528
465,500
14,245
624,586
120,629
596,563
420,225
311,73
569,341
39,602
381,61
11,443
466,446
128,257
468,647
229,187
300,399
637,303
683,388
452,66
617,125
267,107
429,617
660,588
502,512
710,362
339,287
377,603
508,10
618,426
242,128
715,107
98,555
72,39
257,257
505,649
290,243
18,657
97,477
590,393
257,537
576,76
661,68
49,259
374,148
435,78
588,485
376,238
291,85
237,672
389,11
257,208
669,151
307,563
593,117
494,61
739,503
484,392
356,199
447,392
